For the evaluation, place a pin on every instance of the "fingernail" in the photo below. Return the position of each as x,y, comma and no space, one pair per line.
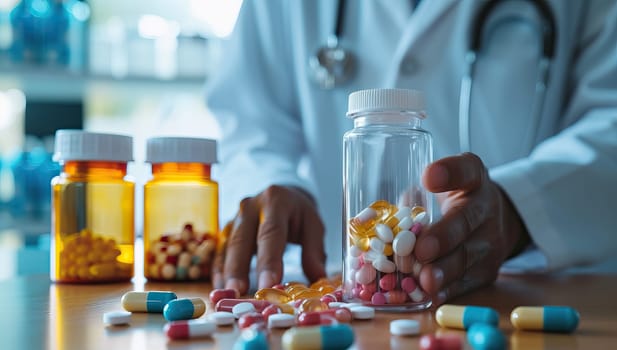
441,297
437,277
237,284
266,279
439,175
427,249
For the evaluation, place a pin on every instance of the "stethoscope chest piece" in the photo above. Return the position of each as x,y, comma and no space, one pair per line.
332,65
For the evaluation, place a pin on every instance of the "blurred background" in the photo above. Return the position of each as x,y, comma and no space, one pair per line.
131,67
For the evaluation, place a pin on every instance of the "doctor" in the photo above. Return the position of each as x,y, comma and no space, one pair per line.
542,172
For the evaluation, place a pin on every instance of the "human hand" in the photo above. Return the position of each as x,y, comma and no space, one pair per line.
263,226
479,229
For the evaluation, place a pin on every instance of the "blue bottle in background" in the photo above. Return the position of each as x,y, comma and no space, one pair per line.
40,32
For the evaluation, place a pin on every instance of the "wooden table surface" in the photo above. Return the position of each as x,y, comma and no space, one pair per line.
37,314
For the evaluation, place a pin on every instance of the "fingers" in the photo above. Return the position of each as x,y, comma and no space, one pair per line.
451,268
241,245
464,172
313,250
272,236
457,225
218,278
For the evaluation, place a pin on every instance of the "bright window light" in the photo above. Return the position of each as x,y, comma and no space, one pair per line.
220,16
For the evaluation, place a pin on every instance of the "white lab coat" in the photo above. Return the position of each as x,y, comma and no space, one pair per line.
278,127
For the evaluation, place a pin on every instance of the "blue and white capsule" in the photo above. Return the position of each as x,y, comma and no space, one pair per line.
331,337
462,317
563,319
153,301
184,309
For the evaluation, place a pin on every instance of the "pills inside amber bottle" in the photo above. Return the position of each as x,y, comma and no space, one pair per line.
180,209
93,202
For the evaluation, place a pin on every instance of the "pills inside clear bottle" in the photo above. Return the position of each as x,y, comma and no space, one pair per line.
385,205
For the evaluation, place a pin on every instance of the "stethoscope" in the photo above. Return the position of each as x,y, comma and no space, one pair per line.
332,65
548,32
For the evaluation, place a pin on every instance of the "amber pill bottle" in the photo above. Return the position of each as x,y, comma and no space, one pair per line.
180,209
92,208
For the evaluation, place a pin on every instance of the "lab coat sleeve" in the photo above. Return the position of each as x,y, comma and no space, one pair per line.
565,191
252,98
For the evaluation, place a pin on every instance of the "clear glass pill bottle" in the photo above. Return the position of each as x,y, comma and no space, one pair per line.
385,205
92,208
180,209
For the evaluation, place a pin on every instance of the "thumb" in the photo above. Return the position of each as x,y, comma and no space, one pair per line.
464,172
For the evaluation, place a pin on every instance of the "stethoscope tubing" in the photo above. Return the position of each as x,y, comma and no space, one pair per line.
549,41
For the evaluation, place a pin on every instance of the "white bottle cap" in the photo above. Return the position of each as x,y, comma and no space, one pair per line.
83,145
180,150
385,100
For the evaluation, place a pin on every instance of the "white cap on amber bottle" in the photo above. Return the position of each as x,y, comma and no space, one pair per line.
79,145
180,150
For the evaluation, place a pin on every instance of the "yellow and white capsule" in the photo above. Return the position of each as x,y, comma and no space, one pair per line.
336,336
184,309
153,301
562,319
462,317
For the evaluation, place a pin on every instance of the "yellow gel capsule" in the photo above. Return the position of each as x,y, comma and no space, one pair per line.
287,309
313,304
296,288
362,243
417,210
320,282
273,295
387,250
326,289
562,319
383,208
307,294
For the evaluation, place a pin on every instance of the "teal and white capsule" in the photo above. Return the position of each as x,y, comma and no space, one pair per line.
153,301
562,319
462,317
483,336
331,337
184,309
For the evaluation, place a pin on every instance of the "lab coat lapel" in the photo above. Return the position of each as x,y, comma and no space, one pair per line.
423,18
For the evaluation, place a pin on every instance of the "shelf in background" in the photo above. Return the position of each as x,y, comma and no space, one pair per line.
64,84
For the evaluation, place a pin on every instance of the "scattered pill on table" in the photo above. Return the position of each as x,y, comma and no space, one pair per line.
184,309
462,317
222,318
281,321
153,301
337,336
186,329
218,294
117,318
545,318
249,319
404,327
243,308
443,342
483,336
228,304
252,339
362,312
